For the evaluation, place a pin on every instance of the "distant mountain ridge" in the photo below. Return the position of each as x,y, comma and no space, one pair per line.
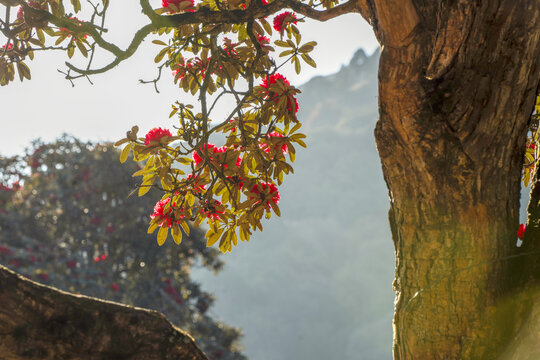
317,283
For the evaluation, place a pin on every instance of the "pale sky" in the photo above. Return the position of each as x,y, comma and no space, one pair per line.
48,106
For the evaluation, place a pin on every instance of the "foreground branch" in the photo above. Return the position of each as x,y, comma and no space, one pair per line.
39,322
203,15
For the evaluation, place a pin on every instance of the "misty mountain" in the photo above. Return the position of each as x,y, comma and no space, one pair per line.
317,283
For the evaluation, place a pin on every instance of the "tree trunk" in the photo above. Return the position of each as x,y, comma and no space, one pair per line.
457,86
39,322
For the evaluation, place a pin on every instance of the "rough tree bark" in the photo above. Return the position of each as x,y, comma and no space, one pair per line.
457,86
39,322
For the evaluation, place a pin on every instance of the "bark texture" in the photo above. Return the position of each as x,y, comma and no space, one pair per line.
39,322
457,83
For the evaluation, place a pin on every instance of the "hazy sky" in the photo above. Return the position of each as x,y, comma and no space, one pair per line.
48,105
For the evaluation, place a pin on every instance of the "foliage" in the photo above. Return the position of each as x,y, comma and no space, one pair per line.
532,147
220,50
66,220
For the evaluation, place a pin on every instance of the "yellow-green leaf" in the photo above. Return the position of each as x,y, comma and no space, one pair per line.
153,226
162,235
143,189
176,234
125,153
185,226
120,142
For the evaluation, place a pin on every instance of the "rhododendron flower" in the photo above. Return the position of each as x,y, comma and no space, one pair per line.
266,148
236,181
5,250
197,186
263,40
228,47
34,4
212,210
114,287
71,264
70,33
163,219
273,79
178,4
212,149
109,229
282,20
521,231
155,135
273,193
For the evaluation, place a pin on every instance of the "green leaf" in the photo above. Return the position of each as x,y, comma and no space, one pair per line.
125,153
296,64
153,226
143,189
176,234
160,55
24,71
266,26
214,237
158,42
162,235
82,48
286,52
121,141
185,226
76,5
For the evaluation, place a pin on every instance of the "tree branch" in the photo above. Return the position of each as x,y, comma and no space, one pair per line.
203,15
40,322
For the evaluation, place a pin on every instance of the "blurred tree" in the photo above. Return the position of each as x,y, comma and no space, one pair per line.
67,221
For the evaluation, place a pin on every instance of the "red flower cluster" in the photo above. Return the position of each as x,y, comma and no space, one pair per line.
155,135
521,231
272,79
193,66
197,186
229,47
5,250
102,257
211,210
83,36
263,40
169,289
9,47
282,20
273,192
212,150
114,287
163,219
167,3
266,148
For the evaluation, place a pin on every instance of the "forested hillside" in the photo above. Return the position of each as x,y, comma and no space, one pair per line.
317,284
